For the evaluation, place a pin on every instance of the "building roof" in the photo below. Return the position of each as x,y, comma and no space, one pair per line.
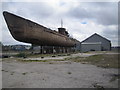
93,35
92,43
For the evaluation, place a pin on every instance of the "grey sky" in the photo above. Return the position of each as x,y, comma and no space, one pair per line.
81,19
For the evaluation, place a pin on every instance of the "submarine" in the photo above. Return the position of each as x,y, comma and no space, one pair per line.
27,31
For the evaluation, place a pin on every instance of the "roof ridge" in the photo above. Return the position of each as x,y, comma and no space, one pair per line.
97,35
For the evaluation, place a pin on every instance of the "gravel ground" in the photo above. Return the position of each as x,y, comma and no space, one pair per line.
58,74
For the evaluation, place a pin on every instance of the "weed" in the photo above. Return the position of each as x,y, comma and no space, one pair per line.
115,77
99,87
69,73
53,56
42,57
2,70
11,73
50,62
68,54
24,73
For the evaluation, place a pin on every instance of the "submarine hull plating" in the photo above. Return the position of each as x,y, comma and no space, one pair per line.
27,31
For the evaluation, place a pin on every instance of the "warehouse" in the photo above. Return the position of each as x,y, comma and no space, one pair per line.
95,43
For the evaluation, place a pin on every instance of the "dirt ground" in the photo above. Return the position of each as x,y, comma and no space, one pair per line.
61,74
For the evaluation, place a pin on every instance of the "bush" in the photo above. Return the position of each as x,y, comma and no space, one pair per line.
21,55
92,50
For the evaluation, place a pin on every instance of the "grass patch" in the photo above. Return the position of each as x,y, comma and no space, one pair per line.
46,55
39,55
22,60
101,60
104,60
75,59
34,60
21,55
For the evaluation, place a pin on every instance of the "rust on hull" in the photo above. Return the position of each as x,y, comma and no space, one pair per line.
30,32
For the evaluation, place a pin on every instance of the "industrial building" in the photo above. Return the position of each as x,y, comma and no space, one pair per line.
95,43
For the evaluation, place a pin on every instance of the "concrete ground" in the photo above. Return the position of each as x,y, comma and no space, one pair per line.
63,74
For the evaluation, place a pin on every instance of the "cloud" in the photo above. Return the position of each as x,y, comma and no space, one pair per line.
111,33
101,12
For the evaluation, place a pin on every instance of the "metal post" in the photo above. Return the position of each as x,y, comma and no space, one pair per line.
41,49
